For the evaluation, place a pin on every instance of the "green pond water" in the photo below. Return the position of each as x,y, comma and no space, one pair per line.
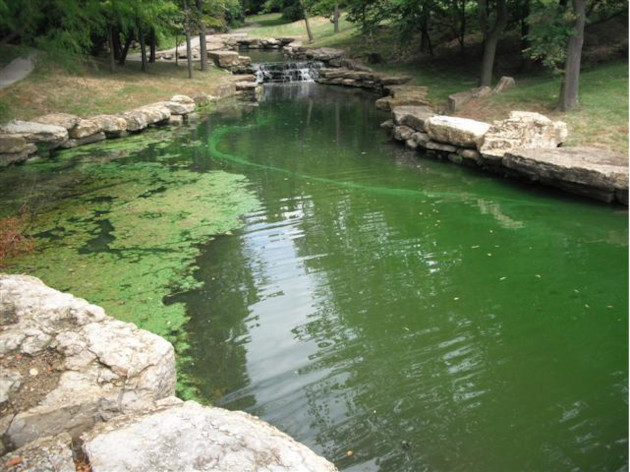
424,316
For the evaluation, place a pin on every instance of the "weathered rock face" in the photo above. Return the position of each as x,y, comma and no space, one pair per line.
412,116
109,367
224,59
522,130
83,129
50,136
12,143
111,125
204,438
140,118
350,78
51,454
324,55
64,120
455,131
593,172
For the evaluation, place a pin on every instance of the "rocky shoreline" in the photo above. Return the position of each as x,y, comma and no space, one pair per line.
76,382
24,140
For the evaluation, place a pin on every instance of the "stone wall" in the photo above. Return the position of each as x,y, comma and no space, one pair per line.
73,377
525,145
22,140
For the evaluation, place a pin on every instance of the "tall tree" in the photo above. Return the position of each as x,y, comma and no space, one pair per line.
491,34
571,79
187,33
203,48
306,23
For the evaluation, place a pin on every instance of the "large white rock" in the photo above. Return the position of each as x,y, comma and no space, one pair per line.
522,130
189,437
110,124
412,116
109,368
455,131
139,118
38,133
83,129
593,172
65,120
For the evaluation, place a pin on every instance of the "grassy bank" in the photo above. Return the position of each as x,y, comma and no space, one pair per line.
89,88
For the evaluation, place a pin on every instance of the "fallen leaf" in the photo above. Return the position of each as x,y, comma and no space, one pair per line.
13,462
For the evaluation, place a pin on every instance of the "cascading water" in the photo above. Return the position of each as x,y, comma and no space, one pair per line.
279,72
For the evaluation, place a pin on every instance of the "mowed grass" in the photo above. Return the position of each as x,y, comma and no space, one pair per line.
271,25
91,89
601,120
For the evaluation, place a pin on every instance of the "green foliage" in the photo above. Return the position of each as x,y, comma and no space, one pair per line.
550,29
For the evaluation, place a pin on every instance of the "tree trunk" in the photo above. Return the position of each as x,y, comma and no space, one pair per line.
336,18
462,29
490,39
152,46
571,80
116,42
143,49
176,50
203,50
188,46
125,50
112,51
308,26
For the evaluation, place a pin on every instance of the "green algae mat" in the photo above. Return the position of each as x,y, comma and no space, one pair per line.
123,233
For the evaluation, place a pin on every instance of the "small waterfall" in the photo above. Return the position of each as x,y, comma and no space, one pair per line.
279,72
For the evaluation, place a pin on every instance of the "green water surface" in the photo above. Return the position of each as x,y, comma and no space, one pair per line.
421,315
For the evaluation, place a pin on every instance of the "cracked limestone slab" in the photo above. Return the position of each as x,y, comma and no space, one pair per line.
188,436
109,367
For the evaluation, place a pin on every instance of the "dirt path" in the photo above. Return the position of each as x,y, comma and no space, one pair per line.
17,69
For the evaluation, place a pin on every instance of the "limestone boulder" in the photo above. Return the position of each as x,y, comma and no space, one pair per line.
593,172
224,59
105,367
135,120
7,159
225,90
505,83
111,125
50,136
65,120
182,99
140,118
12,143
83,129
324,54
51,454
403,133
412,116
205,438
522,130
179,108
461,132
